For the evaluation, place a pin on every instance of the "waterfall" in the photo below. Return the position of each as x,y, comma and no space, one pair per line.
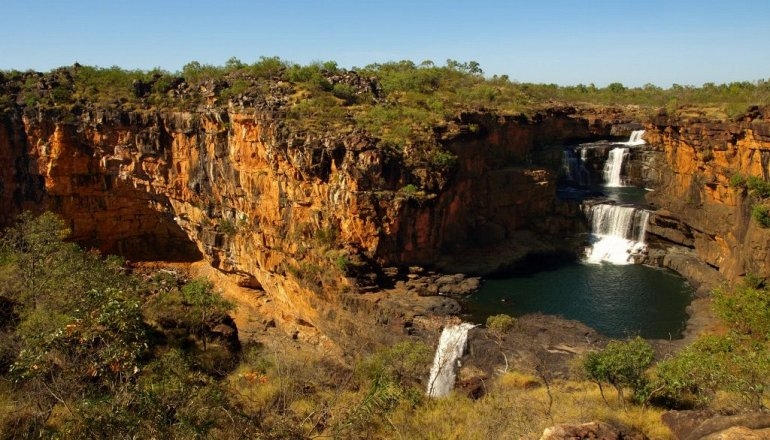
617,231
614,166
574,167
450,347
635,138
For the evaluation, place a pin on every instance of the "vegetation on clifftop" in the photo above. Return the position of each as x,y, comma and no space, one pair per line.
405,108
396,101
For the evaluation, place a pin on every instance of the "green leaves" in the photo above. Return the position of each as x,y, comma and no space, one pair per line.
746,309
500,324
78,315
621,364
736,361
100,339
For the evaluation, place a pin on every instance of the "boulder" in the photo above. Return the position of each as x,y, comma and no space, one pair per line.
591,430
697,425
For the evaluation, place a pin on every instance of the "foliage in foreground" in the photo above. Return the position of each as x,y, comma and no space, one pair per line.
735,362
622,364
92,352
79,357
89,351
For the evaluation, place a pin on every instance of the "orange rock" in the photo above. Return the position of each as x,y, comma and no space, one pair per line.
698,159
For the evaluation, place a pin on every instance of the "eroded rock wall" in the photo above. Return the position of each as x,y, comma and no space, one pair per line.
308,219
689,164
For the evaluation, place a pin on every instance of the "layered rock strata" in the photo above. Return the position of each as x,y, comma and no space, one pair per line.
308,219
690,165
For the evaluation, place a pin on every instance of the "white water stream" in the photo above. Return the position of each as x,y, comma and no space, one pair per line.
635,138
614,164
618,233
451,346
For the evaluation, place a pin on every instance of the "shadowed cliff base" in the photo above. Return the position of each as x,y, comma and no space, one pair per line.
537,261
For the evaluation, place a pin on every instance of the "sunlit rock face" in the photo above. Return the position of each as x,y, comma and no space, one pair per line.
308,218
690,167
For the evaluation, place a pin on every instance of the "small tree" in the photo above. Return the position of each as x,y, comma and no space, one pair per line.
205,305
497,327
621,364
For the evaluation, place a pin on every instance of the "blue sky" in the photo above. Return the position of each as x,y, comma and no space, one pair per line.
559,41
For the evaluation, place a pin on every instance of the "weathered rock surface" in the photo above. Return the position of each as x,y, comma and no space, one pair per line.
701,425
690,163
537,342
591,430
308,219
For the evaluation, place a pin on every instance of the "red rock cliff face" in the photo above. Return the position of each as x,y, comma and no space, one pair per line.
293,215
690,169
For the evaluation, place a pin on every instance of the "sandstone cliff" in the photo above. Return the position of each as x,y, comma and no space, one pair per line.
689,163
310,219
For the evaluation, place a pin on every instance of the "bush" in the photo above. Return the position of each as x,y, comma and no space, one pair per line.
692,377
745,308
761,213
442,159
500,324
736,361
227,227
621,364
342,263
737,180
758,186
408,190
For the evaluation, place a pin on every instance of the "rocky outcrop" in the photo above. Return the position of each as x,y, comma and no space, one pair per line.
592,430
689,164
308,218
695,425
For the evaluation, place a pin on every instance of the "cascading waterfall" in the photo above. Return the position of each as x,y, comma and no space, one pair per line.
450,348
574,167
618,233
635,138
614,166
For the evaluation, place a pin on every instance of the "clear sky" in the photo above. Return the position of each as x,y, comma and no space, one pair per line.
545,41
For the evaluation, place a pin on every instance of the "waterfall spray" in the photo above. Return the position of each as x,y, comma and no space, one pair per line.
450,348
614,166
618,232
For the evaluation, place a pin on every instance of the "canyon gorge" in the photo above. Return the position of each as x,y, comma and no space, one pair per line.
319,223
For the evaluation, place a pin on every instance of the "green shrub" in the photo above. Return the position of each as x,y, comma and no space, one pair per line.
621,364
227,227
500,324
761,213
442,159
737,180
408,191
745,308
758,186
736,361
497,327
344,92
691,377
327,236
342,263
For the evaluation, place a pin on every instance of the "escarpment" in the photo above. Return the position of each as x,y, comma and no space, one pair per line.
310,212
307,218
698,169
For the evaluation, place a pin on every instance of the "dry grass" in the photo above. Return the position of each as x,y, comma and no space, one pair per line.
291,390
515,407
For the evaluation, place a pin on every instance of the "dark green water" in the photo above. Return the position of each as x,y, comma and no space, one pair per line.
618,301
